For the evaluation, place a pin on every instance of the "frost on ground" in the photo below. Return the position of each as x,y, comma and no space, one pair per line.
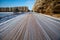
4,16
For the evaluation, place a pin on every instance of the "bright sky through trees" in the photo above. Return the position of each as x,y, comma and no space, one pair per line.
14,3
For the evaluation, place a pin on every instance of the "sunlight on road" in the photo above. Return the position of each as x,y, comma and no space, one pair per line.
30,26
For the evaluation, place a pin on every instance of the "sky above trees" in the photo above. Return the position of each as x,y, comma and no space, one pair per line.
15,3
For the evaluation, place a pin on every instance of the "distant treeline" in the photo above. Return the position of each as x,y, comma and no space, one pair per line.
14,9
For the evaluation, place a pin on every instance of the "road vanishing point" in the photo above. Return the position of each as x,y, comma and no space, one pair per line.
30,26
